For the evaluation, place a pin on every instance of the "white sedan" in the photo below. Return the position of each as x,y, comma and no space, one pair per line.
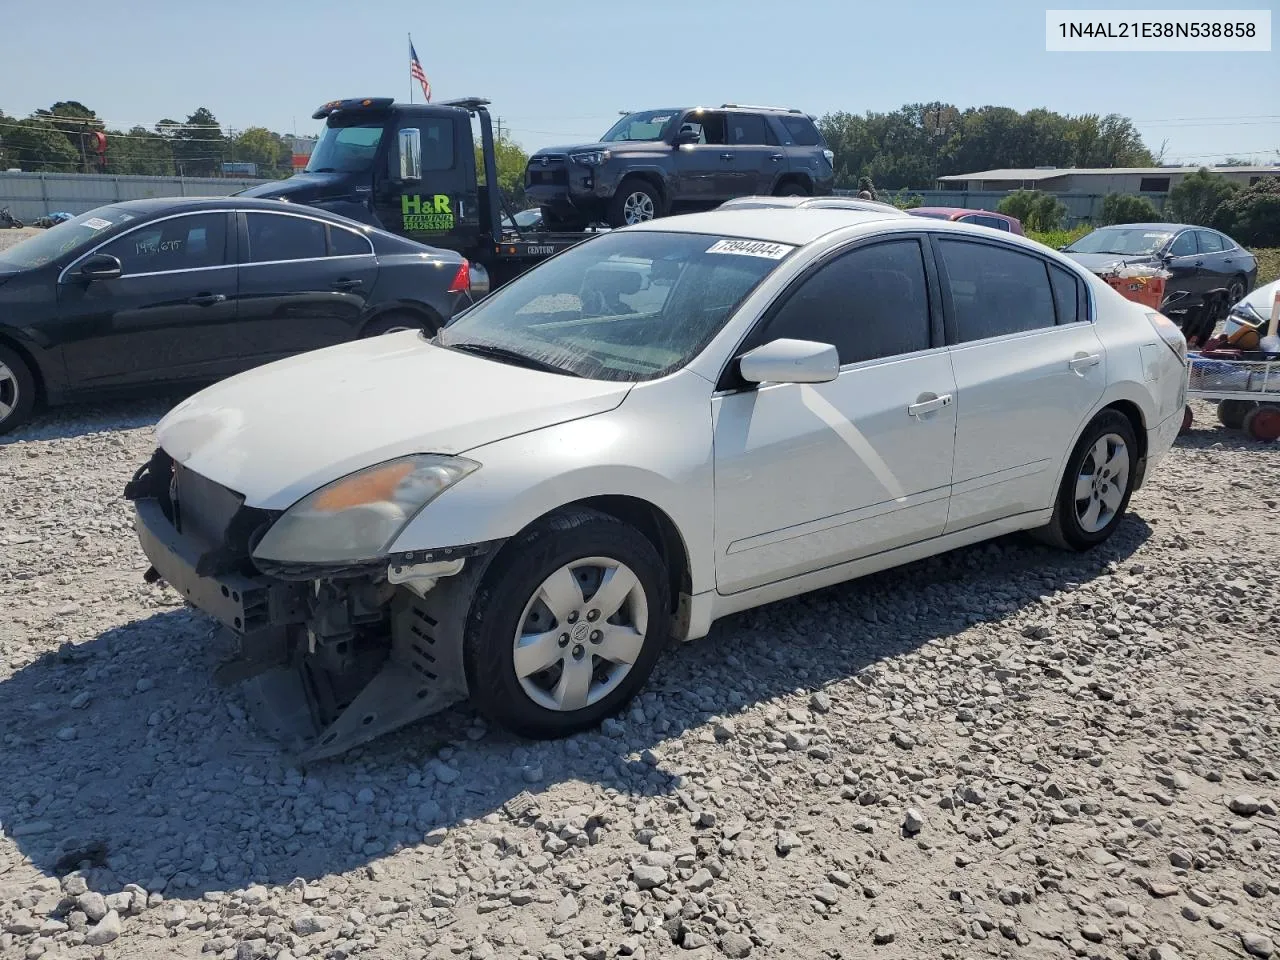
658,427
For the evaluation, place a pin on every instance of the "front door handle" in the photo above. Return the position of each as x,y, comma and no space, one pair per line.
922,407
345,284
1083,362
726,156
207,299
776,157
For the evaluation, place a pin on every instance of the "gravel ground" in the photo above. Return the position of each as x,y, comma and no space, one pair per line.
9,237
1006,751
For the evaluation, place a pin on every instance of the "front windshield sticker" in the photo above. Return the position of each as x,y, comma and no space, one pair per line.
432,214
659,119
96,223
751,248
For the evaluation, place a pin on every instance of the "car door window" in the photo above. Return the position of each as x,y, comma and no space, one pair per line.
347,243
1184,245
710,127
1209,242
995,290
274,236
746,129
437,142
179,243
802,131
869,303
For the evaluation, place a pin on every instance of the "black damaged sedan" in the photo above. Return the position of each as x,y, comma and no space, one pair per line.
149,293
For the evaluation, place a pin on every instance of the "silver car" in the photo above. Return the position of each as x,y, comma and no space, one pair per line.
658,427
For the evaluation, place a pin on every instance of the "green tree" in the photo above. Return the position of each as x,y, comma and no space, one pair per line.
1128,208
198,144
139,152
511,160
258,145
36,145
77,123
1036,209
1252,215
1197,198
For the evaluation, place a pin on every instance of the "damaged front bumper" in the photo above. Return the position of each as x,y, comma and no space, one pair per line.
329,658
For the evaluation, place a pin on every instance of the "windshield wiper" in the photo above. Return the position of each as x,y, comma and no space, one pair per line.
514,357
324,170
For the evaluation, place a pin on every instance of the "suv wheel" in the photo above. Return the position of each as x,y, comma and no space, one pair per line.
791,189
635,202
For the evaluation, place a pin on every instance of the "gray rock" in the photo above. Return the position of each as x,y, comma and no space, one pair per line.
93,904
105,931
883,934
736,945
1245,805
786,842
1181,858
567,909
914,821
820,703
1257,944
647,877
827,893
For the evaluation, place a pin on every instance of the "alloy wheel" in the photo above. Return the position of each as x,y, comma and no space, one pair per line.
637,208
8,391
580,633
1102,483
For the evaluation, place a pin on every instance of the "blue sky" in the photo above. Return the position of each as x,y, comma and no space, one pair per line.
559,72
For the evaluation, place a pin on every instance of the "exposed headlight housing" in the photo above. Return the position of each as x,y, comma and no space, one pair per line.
1248,313
831,157
590,158
358,517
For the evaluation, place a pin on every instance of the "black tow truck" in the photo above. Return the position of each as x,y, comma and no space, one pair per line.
410,169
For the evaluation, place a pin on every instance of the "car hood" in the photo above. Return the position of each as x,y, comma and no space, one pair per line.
278,432
1095,262
312,185
617,146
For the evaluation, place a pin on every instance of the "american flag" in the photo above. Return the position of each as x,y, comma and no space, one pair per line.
416,72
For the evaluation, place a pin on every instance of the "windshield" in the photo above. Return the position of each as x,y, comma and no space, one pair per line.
527,218
932,214
646,125
1124,241
70,236
621,306
348,149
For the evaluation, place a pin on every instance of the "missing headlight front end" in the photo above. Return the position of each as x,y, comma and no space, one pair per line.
358,517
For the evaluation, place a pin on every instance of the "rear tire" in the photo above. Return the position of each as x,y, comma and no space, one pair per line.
1096,486
543,585
17,390
398,321
791,189
1263,423
636,201
1231,413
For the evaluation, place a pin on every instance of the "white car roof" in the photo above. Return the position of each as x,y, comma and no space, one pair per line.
777,225
1262,298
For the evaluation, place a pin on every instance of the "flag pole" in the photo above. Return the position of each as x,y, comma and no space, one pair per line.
410,67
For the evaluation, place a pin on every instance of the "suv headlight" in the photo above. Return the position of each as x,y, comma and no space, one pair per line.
592,158
359,517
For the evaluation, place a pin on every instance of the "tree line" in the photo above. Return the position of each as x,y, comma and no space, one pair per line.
63,139
905,148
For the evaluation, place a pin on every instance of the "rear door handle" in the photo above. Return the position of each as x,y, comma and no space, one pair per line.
345,284
1084,362
726,156
920,408
207,299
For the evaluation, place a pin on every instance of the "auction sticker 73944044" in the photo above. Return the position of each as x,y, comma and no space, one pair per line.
751,248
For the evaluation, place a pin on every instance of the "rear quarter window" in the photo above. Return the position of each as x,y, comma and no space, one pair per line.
801,131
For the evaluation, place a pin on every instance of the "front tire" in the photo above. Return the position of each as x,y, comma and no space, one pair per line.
1231,413
636,201
567,624
791,189
1096,486
17,391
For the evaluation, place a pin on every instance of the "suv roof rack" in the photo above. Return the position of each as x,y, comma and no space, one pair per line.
467,103
757,106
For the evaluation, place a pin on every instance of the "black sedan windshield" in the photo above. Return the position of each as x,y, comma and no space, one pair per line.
647,125
69,236
626,306
1126,241
348,149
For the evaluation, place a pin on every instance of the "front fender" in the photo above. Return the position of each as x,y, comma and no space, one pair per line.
654,447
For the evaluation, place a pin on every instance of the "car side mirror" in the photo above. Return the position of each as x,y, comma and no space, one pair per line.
790,361
686,137
410,142
101,266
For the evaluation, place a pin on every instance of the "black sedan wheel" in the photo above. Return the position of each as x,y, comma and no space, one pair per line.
17,391
397,322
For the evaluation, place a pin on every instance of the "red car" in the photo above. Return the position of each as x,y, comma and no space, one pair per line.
983,218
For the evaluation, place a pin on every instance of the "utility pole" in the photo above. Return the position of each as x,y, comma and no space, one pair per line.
498,123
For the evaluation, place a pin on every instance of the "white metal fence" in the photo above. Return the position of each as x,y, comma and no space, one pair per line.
1081,207
32,195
